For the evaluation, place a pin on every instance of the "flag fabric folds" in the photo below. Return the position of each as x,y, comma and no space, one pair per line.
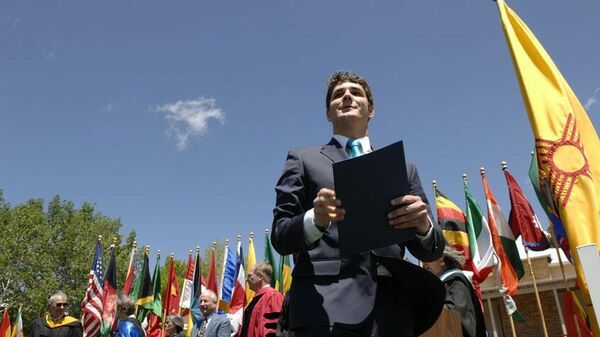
144,289
482,251
109,293
454,224
187,290
285,270
211,282
17,330
574,315
238,296
227,279
5,328
509,262
557,229
567,144
171,294
250,262
522,219
198,287
129,277
155,310
270,259
91,306
187,294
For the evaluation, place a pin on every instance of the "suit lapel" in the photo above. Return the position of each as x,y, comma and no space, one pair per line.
334,151
213,324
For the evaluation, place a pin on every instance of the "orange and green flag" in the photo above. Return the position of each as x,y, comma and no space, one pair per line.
509,262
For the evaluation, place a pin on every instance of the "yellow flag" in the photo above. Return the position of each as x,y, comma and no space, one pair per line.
250,262
566,142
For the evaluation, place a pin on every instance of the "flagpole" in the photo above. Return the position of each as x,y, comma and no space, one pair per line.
214,253
168,293
535,288
564,274
512,325
537,294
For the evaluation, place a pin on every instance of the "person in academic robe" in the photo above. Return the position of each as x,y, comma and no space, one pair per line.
460,295
262,313
57,323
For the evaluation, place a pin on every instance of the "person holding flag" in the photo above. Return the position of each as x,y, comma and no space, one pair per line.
57,323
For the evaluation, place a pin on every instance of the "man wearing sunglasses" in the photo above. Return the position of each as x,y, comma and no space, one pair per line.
57,323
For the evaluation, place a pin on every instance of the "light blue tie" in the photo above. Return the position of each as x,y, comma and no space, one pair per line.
354,148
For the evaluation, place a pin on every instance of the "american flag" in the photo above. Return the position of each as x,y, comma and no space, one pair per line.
92,303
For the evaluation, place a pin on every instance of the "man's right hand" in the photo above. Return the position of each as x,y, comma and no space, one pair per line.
327,208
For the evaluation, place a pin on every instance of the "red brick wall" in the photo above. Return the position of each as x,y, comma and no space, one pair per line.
527,306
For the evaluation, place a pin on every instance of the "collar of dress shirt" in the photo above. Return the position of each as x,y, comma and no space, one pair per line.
364,142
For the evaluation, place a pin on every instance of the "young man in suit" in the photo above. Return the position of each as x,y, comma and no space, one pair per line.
366,294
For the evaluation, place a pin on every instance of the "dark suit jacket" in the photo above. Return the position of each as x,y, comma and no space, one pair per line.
327,288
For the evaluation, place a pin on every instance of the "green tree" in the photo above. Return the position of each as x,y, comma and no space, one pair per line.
49,249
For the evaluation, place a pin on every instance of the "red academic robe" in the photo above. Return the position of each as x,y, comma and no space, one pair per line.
269,302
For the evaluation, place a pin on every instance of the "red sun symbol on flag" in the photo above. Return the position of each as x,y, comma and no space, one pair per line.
565,160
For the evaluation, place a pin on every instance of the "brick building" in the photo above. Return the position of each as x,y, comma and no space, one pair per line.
551,286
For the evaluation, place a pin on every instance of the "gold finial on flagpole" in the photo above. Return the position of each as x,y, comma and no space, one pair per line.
251,236
114,240
99,237
504,166
134,244
482,171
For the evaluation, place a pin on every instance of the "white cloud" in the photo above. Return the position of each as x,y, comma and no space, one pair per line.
593,100
189,118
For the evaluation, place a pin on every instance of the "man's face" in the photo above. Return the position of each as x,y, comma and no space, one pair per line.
349,106
207,306
58,307
254,281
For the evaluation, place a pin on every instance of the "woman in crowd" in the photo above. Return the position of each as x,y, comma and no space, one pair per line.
460,295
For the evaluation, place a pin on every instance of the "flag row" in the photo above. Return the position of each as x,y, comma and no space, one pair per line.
153,304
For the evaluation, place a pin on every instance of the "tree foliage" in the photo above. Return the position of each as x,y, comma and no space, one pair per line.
45,248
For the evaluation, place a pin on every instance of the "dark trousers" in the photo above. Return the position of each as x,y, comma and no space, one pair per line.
392,317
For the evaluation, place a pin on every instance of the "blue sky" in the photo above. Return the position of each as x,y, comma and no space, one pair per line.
176,116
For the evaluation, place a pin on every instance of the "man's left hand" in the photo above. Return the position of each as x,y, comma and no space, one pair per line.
409,212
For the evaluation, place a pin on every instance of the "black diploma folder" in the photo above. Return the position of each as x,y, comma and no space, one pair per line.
366,185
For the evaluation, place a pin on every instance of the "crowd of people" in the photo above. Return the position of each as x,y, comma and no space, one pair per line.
261,316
